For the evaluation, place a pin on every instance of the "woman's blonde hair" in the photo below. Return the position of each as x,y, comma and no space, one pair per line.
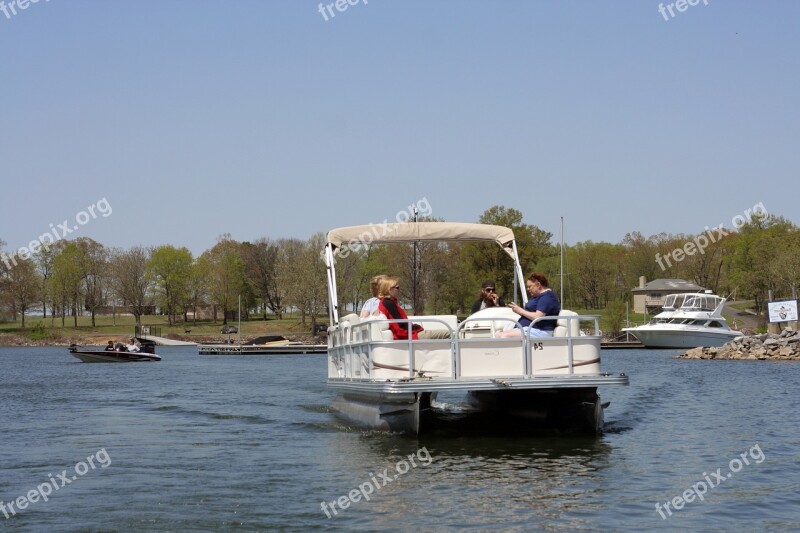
375,282
386,283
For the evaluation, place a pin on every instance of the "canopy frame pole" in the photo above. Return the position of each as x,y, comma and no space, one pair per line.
518,274
333,298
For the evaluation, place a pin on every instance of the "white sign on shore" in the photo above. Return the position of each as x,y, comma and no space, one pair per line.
785,311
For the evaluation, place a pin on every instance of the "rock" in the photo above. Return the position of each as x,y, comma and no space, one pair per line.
694,353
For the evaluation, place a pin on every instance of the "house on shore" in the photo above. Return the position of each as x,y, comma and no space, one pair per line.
650,296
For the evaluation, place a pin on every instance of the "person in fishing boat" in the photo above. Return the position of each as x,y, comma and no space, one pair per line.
543,302
132,347
110,346
488,297
388,292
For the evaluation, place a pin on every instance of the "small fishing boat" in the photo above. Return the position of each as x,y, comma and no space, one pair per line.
100,355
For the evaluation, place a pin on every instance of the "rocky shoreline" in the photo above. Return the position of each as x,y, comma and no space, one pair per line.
768,346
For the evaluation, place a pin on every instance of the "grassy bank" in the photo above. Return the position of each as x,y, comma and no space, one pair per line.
46,332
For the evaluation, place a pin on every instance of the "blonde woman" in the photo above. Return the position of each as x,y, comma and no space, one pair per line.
370,308
388,292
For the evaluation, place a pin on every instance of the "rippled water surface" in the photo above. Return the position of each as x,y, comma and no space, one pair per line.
217,443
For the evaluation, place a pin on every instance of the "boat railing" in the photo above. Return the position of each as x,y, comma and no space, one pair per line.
527,362
351,340
363,332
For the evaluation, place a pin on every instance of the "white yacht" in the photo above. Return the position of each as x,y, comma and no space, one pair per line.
687,320
512,382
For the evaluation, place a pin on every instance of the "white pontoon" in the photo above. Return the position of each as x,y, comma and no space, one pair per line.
393,384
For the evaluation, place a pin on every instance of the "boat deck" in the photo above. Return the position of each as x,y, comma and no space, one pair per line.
477,384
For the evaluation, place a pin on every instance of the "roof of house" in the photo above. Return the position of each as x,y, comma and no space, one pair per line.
669,285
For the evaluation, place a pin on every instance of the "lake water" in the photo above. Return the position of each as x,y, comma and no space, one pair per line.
218,443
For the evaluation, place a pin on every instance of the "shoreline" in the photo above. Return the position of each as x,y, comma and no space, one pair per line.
784,346
20,341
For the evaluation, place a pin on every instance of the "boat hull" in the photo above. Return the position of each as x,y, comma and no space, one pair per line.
114,357
492,412
661,337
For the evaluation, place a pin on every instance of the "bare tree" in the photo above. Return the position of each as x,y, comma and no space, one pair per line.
260,261
24,285
130,280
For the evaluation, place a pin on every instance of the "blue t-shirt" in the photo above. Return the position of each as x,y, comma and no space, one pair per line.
548,304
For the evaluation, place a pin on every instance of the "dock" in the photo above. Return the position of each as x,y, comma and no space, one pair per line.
621,345
276,349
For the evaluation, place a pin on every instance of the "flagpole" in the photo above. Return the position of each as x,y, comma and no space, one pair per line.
562,261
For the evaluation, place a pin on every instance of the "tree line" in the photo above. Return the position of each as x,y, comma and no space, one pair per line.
274,276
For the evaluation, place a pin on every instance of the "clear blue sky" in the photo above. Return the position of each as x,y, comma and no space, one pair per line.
195,118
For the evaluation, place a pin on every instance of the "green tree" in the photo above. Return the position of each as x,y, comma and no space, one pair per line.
197,287
227,279
593,267
758,246
170,269
94,272
615,316
67,280
44,259
490,262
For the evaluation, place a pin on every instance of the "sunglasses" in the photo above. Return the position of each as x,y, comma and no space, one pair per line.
489,289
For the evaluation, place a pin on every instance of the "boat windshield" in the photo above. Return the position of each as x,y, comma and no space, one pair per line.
691,302
701,302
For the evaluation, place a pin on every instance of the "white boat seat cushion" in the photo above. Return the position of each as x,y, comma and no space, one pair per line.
564,326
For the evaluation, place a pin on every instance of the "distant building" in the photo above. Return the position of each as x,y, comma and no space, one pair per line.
651,295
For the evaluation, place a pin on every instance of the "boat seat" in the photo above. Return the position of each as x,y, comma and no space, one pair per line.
377,331
486,322
352,319
346,324
381,331
446,320
564,326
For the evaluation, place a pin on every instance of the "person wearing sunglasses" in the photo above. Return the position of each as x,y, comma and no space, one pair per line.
488,297
388,292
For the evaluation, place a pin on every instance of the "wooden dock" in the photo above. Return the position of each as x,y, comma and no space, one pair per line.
621,345
266,349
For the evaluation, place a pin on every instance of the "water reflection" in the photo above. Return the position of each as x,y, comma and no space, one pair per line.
556,477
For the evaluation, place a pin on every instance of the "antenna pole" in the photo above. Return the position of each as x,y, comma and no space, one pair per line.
562,262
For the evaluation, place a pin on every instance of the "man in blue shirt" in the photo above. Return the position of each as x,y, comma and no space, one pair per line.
543,302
